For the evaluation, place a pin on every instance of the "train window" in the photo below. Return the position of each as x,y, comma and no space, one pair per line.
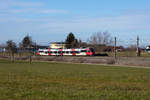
72,52
76,51
92,50
59,51
84,51
55,51
46,52
88,51
67,51
41,51
50,52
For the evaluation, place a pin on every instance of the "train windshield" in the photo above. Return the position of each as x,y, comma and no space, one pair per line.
92,50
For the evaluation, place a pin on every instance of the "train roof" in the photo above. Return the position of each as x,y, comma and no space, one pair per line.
53,49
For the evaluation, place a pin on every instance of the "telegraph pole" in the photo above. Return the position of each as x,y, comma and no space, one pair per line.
138,49
115,50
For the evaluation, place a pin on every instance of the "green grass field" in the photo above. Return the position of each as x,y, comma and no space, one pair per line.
60,81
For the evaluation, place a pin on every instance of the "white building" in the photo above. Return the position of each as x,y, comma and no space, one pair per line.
57,45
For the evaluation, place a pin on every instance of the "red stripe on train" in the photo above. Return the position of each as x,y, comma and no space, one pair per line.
61,52
38,53
74,54
49,51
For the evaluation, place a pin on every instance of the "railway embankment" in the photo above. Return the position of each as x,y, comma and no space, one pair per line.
129,61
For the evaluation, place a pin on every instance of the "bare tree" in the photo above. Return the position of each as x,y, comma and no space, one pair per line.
100,38
80,42
131,47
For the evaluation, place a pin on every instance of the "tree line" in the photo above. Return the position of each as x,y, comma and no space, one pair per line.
95,40
11,46
98,38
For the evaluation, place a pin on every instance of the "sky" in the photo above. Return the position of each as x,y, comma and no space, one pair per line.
52,20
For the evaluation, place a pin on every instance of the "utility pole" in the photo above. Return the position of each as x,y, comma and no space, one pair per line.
115,50
138,49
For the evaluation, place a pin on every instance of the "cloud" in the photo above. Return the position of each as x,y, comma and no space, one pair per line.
123,25
131,22
46,11
27,4
6,4
34,11
20,7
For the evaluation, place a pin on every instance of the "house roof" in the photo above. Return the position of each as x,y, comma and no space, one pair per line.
57,42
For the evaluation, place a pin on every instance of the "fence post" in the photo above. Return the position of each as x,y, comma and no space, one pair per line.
30,56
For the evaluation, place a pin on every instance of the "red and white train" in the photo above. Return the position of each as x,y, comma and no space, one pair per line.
66,52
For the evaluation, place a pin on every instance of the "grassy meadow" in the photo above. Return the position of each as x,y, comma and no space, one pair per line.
59,81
